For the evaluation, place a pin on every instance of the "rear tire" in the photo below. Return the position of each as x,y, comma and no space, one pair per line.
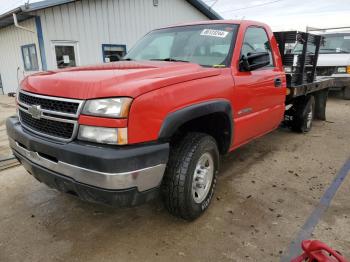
190,178
346,93
304,115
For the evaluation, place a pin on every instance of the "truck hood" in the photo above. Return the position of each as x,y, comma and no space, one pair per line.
340,59
125,78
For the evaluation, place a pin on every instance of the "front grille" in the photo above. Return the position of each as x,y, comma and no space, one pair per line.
52,117
50,104
49,127
325,70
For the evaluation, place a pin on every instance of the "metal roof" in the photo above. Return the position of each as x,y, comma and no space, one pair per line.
26,11
7,19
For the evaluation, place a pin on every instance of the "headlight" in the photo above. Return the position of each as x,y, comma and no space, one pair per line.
104,135
108,107
341,69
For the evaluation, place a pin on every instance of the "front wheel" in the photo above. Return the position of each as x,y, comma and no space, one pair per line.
190,178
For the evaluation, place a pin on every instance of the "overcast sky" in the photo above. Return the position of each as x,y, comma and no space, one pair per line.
7,5
279,14
287,14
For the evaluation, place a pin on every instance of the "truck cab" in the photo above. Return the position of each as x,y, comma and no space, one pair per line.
334,60
158,121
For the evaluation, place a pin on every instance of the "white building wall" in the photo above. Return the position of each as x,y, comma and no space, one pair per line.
92,23
11,62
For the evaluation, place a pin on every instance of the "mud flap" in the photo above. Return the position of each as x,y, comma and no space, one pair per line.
320,104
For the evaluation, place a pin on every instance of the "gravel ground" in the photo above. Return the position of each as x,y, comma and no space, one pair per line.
266,191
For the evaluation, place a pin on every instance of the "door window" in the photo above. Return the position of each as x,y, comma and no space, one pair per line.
255,41
65,54
112,53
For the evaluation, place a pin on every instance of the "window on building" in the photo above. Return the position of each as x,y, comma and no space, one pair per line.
255,41
113,53
65,55
30,58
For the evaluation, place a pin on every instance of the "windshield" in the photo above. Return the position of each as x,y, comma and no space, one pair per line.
298,49
334,44
207,45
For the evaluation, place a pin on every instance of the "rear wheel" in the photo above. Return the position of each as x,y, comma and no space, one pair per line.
346,93
304,115
190,178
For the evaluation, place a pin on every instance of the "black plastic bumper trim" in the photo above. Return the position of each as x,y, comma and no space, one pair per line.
102,158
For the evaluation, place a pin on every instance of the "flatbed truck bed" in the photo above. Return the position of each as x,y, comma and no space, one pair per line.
309,88
306,96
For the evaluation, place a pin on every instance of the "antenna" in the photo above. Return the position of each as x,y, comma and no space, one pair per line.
26,5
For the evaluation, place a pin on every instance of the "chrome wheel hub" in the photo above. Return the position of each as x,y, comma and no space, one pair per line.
202,177
309,119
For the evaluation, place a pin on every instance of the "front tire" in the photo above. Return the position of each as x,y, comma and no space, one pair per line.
190,178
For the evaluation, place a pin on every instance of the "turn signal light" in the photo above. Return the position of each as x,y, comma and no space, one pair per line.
348,69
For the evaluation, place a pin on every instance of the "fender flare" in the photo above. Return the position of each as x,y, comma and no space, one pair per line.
177,118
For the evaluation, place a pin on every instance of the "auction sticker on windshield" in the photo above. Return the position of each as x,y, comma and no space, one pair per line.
215,33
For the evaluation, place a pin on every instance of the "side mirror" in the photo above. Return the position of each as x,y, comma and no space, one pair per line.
254,61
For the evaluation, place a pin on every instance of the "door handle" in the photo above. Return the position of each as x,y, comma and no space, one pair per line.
278,82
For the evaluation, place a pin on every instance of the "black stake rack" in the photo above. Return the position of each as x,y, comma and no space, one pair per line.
300,66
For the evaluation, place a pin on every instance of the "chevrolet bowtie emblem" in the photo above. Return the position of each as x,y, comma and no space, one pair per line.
35,111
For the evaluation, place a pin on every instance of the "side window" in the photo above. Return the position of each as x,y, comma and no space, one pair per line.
30,59
255,41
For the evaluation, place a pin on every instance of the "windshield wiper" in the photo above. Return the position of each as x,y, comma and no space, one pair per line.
127,59
169,59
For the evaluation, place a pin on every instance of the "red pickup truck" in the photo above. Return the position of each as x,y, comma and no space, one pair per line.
158,121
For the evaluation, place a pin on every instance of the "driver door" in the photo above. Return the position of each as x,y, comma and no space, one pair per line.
258,96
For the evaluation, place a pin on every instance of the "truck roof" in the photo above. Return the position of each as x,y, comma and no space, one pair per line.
336,34
239,22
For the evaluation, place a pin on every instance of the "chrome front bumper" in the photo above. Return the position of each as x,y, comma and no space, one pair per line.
143,179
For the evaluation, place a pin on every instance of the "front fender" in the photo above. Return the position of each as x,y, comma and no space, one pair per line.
176,119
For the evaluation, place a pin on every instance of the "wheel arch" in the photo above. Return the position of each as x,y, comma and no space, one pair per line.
194,118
